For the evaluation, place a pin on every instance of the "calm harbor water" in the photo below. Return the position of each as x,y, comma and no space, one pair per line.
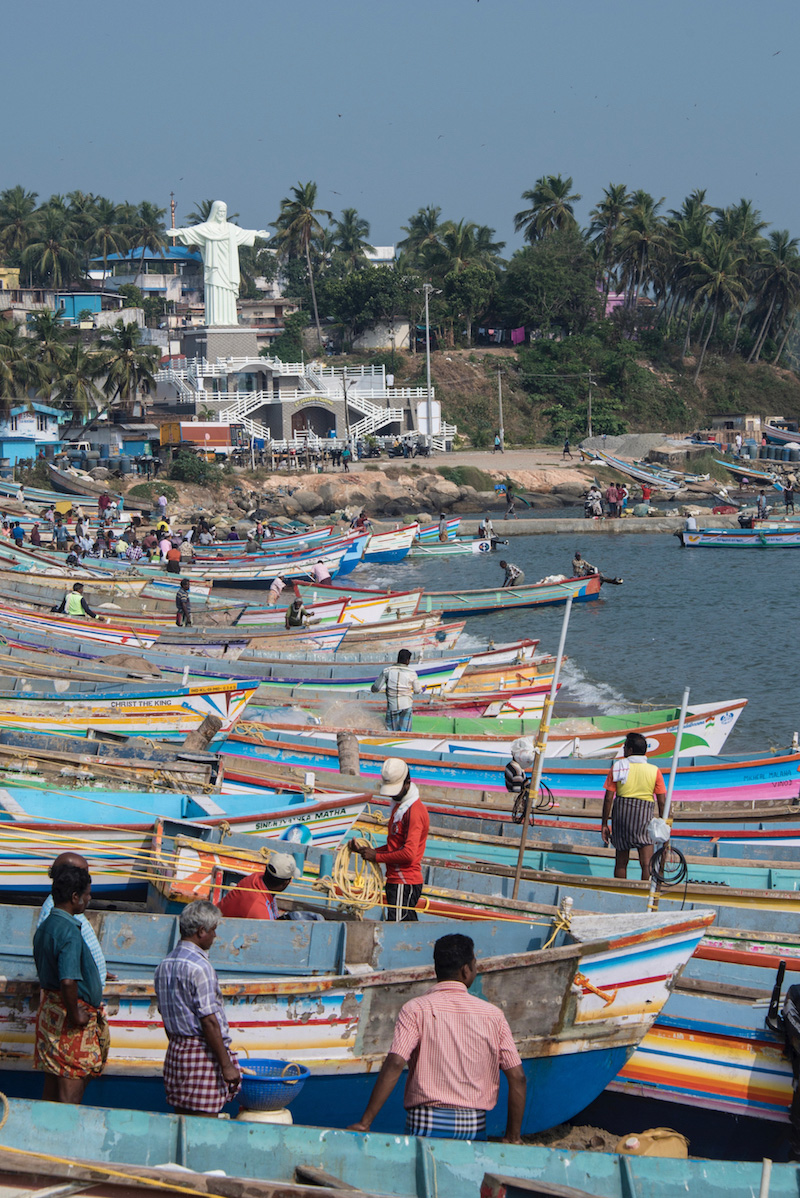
724,624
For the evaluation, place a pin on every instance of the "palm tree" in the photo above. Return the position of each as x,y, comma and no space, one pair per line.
639,238
19,372
128,364
605,223
52,258
350,238
742,224
422,232
487,250
48,346
76,379
719,283
202,212
146,231
108,235
18,220
298,221
778,277
551,202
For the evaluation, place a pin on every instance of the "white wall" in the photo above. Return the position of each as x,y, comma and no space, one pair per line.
378,337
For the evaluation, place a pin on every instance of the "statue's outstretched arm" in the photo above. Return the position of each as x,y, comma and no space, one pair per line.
183,233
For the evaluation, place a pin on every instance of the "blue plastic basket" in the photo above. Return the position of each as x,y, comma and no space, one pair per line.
278,1082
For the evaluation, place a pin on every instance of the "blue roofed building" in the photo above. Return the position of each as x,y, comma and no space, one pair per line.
30,429
176,274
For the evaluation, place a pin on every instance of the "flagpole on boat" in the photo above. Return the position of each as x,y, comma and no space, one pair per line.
652,898
541,745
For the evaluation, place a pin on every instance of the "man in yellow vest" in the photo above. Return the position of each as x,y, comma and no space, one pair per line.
74,604
634,788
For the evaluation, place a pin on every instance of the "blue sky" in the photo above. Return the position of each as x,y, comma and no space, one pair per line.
390,106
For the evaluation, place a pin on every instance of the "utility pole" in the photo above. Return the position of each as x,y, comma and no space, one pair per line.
502,431
589,413
428,288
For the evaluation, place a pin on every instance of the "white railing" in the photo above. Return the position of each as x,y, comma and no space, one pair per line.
446,433
328,383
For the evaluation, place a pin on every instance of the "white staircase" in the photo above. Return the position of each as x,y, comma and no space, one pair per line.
361,386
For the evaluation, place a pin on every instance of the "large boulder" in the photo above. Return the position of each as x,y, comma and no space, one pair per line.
308,501
99,473
443,494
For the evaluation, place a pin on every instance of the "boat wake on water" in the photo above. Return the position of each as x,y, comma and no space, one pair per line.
580,691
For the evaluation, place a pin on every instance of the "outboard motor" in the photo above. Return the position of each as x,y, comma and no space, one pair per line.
517,776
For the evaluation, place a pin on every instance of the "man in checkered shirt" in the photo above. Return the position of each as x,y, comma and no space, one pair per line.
201,1073
513,575
455,1046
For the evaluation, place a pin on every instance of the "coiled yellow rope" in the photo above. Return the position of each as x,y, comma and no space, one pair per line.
353,882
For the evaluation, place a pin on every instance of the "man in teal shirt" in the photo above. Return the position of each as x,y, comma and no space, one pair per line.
71,1032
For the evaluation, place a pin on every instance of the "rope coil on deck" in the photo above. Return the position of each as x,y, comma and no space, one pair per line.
356,887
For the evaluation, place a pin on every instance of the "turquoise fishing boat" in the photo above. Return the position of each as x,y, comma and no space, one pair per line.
396,1166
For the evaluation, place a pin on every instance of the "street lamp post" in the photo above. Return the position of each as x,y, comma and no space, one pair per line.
589,409
502,431
428,289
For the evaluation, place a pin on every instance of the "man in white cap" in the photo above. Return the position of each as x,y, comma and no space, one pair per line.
254,897
405,844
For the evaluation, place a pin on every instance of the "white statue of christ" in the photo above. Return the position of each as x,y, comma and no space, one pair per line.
219,243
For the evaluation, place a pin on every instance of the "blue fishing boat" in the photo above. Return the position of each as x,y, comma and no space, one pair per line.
397,1166
114,827
578,1008
741,538
699,779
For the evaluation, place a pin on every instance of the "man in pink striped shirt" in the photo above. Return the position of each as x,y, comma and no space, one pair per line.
455,1046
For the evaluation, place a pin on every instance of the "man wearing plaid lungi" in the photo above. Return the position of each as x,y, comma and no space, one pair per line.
455,1047
201,1073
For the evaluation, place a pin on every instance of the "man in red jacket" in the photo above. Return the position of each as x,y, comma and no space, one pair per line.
405,844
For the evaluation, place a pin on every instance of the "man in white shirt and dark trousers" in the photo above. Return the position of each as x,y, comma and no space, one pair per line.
401,684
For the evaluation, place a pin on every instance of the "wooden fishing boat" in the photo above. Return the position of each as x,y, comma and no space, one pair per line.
451,549
482,602
640,472
401,604
707,728
699,779
82,486
133,711
741,538
289,992
113,828
60,581
755,476
386,547
399,1166
426,533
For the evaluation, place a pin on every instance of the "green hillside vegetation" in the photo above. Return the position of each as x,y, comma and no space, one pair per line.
705,301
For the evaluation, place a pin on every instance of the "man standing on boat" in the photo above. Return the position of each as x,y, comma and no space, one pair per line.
201,1073
401,684
72,1039
455,1046
761,506
634,789
405,843
183,605
788,498
74,604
